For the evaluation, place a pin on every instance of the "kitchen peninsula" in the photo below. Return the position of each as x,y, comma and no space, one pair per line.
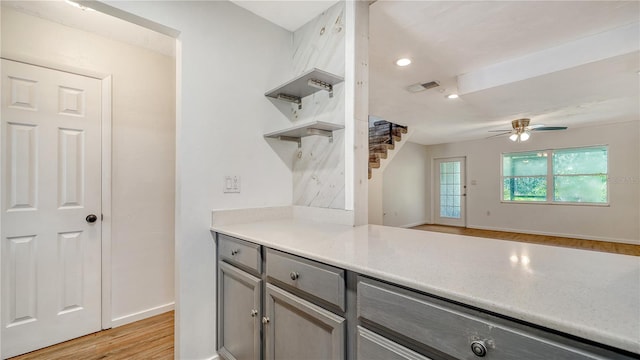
544,297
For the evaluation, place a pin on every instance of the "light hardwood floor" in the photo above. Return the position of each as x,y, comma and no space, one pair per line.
150,338
604,246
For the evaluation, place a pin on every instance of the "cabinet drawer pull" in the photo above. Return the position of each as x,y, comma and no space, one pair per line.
235,252
265,320
479,348
254,312
294,275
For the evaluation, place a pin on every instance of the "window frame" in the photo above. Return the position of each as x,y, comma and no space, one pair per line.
550,178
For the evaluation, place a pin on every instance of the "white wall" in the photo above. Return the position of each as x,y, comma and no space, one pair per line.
143,155
616,222
229,58
405,186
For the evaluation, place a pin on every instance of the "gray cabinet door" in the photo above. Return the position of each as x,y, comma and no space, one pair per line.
238,314
296,329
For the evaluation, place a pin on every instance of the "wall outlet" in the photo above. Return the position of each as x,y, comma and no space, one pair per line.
231,184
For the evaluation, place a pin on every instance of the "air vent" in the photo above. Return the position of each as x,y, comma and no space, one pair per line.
423,86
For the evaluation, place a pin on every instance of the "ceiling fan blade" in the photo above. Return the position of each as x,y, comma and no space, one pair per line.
545,128
503,133
499,130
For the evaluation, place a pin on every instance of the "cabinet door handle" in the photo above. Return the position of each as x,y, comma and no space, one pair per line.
254,312
294,275
479,348
265,320
235,252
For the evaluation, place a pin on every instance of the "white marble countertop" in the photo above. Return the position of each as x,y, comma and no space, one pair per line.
589,294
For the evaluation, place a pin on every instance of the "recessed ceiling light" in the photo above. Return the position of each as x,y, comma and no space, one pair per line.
403,62
452,96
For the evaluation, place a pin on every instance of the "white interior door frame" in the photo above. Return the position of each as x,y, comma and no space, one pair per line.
106,151
106,201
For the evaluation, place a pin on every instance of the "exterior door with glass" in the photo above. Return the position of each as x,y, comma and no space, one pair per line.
451,191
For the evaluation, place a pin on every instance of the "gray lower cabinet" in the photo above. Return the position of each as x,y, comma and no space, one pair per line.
296,329
238,314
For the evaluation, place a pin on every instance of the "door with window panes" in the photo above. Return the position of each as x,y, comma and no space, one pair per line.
451,191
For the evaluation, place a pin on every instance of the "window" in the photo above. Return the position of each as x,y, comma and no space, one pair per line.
558,176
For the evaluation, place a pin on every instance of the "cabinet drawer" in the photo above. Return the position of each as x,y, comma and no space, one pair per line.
322,281
372,346
452,329
240,252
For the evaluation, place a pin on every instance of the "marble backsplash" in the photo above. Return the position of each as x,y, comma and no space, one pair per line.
319,166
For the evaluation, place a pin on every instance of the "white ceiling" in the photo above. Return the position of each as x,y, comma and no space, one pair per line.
572,63
559,63
289,14
96,22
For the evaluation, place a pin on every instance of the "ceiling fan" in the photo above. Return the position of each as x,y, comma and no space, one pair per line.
521,130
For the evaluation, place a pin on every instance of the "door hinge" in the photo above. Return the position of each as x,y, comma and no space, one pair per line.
101,217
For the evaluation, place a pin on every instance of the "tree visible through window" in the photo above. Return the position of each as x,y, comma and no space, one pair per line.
567,175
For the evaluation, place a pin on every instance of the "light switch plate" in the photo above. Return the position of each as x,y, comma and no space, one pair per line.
231,184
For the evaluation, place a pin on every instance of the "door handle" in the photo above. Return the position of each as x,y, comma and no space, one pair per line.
91,218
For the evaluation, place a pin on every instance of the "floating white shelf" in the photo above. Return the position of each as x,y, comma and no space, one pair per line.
297,132
304,85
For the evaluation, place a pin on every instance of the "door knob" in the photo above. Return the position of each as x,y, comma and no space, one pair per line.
91,218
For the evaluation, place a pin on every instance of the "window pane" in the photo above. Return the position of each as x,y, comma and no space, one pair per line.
524,164
588,188
524,189
580,161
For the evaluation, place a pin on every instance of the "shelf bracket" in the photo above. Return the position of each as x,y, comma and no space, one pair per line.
291,138
310,132
321,85
291,99
326,133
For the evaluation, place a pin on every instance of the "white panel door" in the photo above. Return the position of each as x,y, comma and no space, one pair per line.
451,191
51,260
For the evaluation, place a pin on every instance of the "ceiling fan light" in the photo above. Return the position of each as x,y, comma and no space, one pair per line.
524,136
513,137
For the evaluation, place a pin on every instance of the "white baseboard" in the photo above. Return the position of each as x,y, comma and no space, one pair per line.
574,236
127,319
414,224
